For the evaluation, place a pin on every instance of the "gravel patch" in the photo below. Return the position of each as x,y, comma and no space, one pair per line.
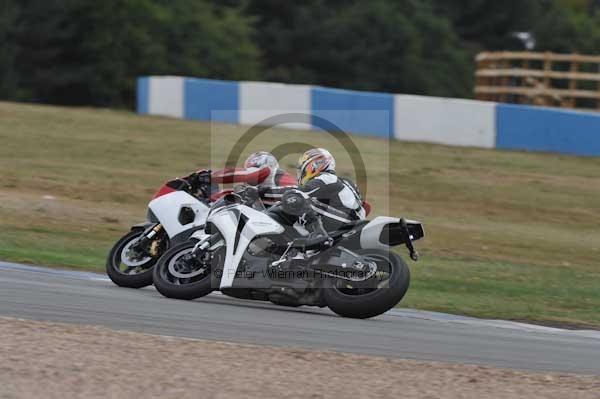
52,360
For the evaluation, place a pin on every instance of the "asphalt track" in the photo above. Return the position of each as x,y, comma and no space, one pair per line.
78,297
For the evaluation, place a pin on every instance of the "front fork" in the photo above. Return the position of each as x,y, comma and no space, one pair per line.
206,242
149,235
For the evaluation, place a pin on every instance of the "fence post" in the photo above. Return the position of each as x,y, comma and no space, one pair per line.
573,83
547,82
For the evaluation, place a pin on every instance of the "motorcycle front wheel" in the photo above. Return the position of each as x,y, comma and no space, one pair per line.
179,275
384,291
127,268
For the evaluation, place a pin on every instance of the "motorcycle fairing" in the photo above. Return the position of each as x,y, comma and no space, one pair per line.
384,232
239,225
167,209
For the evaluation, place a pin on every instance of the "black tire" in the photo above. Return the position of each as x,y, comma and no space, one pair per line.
377,301
172,287
113,263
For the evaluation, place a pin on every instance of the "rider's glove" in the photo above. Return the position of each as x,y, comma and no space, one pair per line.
200,182
203,177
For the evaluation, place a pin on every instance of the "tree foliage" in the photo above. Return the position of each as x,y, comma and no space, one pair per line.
399,46
8,47
90,52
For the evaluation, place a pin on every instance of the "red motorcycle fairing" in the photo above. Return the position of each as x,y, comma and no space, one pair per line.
164,190
220,194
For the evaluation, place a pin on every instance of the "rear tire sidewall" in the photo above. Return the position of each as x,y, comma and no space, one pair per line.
124,280
376,302
189,291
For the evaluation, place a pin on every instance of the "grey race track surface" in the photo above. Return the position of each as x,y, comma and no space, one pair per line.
87,298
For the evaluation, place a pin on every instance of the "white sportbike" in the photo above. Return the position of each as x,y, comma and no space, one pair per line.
248,253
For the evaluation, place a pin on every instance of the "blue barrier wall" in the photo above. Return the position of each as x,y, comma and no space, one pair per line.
351,110
544,129
143,95
413,118
203,96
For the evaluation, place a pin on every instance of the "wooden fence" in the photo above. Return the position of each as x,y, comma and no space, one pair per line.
549,79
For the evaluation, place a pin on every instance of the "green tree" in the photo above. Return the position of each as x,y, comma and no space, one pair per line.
394,46
90,52
567,30
83,52
489,24
209,41
8,49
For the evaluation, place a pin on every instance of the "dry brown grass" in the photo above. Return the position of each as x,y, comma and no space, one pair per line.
509,234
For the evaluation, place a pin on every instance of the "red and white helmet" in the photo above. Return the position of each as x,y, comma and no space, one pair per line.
263,159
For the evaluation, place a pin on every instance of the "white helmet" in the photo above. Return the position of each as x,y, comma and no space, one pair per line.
263,159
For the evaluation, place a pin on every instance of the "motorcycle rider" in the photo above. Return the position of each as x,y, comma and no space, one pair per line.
261,169
337,201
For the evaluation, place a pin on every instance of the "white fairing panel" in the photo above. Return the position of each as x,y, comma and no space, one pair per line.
369,236
228,221
167,207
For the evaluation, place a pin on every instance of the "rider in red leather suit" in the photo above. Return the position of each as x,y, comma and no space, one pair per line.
261,169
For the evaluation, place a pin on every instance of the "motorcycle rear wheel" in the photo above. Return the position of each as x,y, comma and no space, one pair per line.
365,303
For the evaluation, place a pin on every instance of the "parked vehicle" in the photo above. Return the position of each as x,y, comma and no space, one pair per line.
246,253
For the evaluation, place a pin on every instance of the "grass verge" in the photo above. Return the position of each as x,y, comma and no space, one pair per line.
510,235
